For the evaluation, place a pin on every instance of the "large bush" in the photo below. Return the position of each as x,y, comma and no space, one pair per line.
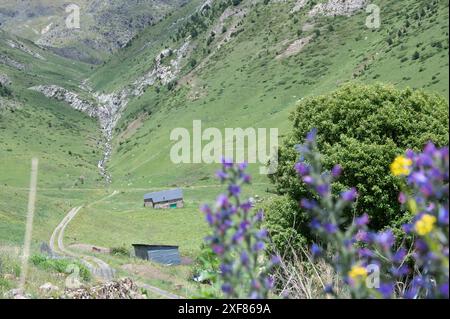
363,128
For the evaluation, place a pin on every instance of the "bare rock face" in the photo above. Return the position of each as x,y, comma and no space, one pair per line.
338,7
120,289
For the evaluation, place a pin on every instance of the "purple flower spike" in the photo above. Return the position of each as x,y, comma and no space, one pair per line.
350,195
222,201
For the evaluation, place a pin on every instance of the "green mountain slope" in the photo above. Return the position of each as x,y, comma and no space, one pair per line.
31,125
247,65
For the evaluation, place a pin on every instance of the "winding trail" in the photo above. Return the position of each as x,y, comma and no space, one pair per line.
100,269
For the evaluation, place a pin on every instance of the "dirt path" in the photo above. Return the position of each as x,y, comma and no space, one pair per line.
98,267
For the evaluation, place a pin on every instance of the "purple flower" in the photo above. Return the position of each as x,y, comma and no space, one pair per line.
399,256
221,175
222,201
443,289
227,162
258,246
336,171
311,136
227,288
363,236
225,268
210,218
330,228
234,190
323,189
350,195
402,198
205,209
386,290
275,260
302,169
362,221
244,258
246,178
218,249
269,282
365,253
315,250
308,204
385,239
443,216
315,224
243,166
246,206
262,234
260,215
308,180
401,271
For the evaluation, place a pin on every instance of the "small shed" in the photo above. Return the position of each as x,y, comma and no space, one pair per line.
164,199
162,254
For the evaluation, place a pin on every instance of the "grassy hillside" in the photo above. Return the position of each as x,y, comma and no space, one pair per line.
64,140
251,80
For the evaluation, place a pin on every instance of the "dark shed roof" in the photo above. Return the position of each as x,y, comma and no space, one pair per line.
163,196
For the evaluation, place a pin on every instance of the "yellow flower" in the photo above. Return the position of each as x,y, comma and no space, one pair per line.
358,273
401,166
425,225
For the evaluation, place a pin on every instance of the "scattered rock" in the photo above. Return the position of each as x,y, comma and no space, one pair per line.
4,80
120,289
48,288
9,277
295,47
11,62
337,7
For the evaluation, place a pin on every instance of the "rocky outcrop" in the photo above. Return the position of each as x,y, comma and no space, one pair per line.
120,289
6,60
22,47
4,79
163,73
61,94
299,5
338,7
